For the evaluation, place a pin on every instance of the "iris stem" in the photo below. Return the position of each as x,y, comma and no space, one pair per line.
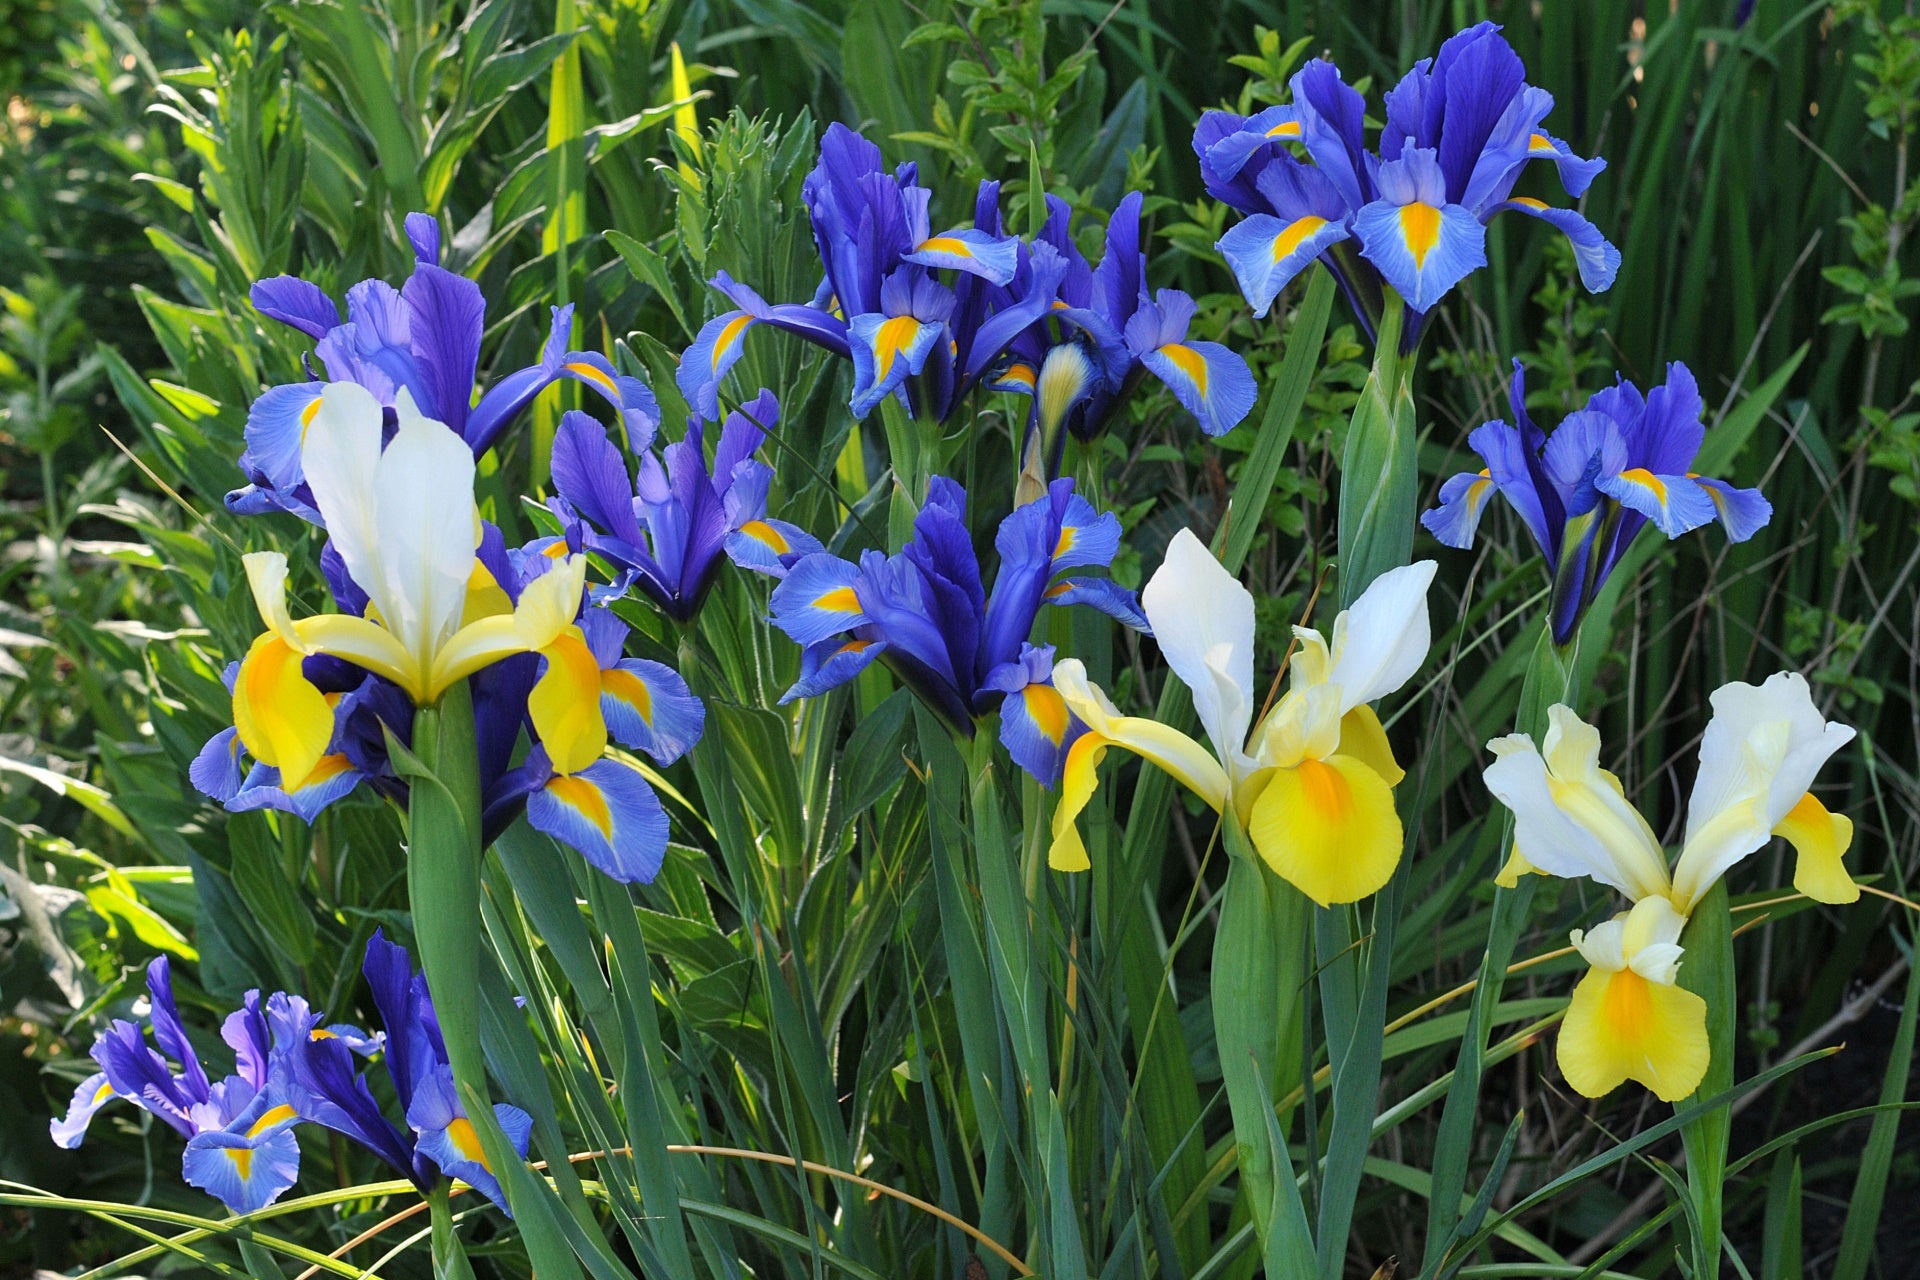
449,1259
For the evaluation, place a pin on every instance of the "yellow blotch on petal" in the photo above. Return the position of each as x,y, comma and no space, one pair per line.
838,600
1420,224
1077,783
762,532
630,689
584,799
1189,362
946,244
729,334
581,369
1328,828
1623,1027
1646,480
1530,202
1285,129
893,335
242,1158
283,720
467,1142
273,1116
1047,710
485,597
565,705
1363,737
1820,839
1296,231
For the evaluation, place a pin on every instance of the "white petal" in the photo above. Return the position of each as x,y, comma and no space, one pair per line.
1739,710
340,458
1203,620
1602,946
1381,641
428,529
1570,820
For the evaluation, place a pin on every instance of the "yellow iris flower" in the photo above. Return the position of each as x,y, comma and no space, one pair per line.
1758,759
404,523
1315,790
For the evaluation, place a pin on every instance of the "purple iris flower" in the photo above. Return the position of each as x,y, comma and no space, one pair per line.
880,302
329,1087
240,1144
1608,470
925,612
1084,354
669,528
421,340
1461,129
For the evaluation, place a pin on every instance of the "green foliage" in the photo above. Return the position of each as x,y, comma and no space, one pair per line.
854,955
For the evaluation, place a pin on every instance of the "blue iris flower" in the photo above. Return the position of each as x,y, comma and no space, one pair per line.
1608,470
926,613
1085,353
604,807
423,338
240,1144
1461,129
880,301
668,529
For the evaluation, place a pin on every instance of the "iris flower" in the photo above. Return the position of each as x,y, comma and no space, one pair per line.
927,615
1609,469
1089,350
432,598
240,1147
1461,129
1313,788
422,338
292,1068
666,530
880,302
1762,749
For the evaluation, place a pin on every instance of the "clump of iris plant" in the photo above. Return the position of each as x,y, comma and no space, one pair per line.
1584,492
1460,131
290,1068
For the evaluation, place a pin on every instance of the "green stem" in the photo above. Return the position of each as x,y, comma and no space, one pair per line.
1708,972
1378,480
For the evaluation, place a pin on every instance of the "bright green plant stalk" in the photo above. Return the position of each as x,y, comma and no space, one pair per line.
1378,479
1552,676
449,1259
907,454
1708,972
1257,985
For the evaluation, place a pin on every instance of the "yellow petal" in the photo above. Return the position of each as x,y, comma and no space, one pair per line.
1821,839
1082,774
545,611
1363,737
1328,828
364,643
1623,1027
485,596
565,705
267,579
1517,866
283,720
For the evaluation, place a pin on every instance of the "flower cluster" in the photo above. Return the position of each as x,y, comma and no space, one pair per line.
927,615
1460,130
1762,749
1604,474
427,597
291,1068
1032,317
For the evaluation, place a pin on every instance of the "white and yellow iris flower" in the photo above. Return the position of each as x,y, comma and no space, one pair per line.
404,523
1758,759
1313,786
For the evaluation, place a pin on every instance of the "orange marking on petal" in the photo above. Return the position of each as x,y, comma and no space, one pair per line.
1420,224
893,335
946,244
1297,231
581,369
630,689
1530,202
1541,142
1648,481
242,1158
584,799
729,335
1068,536
761,531
1285,129
1047,709
838,600
307,415
276,1115
467,1142
1189,362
